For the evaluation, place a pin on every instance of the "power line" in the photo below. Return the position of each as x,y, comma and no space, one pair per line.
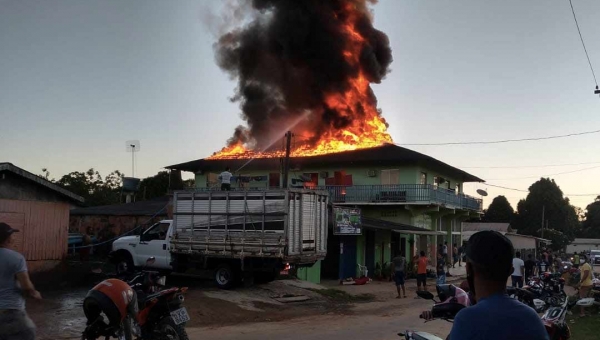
583,43
560,173
502,141
526,166
527,191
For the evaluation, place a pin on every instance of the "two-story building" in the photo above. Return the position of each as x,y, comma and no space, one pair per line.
409,201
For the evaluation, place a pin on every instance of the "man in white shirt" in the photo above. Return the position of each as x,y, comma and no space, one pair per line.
225,178
518,270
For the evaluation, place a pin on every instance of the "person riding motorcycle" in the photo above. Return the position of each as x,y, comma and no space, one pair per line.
494,315
116,300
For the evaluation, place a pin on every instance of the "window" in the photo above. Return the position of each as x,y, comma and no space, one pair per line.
435,182
423,179
156,232
390,176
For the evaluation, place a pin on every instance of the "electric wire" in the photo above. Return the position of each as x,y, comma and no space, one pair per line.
502,140
583,43
556,174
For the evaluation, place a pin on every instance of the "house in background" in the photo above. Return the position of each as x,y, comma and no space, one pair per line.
409,202
116,219
40,210
583,245
525,244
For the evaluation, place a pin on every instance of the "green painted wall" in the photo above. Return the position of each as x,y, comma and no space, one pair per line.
408,175
360,250
383,239
310,274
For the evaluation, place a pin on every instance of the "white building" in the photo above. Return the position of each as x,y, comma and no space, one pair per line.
583,245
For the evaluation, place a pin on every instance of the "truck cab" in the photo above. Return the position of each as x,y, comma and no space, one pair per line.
129,252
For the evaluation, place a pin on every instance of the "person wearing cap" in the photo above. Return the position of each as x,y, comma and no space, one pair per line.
495,315
14,284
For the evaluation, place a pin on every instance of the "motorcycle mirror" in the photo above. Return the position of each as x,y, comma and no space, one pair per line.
425,295
150,261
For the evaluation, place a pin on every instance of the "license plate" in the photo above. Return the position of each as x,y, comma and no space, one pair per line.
180,316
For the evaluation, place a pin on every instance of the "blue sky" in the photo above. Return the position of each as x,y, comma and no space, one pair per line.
79,78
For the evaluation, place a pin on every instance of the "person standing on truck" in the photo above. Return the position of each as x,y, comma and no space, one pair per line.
14,283
225,178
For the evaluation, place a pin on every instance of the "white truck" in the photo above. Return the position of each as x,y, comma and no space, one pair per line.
233,234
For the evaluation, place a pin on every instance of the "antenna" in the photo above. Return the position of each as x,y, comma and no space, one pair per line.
132,146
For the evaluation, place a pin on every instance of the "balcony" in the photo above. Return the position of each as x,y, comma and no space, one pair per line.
409,194
392,194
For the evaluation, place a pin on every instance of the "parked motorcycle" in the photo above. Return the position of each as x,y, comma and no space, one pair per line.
138,308
526,297
554,318
548,288
451,300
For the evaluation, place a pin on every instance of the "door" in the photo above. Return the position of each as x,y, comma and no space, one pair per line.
370,251
348,265
153,242
390,177
275,180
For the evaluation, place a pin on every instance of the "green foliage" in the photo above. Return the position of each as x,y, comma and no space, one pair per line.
92,187
563,221
591,224
155,186
499,211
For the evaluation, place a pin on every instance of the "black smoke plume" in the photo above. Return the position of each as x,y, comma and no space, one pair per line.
290,56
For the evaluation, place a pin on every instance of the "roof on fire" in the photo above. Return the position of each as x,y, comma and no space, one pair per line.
388,154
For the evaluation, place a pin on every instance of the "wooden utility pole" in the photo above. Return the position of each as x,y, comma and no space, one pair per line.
543,211
286,161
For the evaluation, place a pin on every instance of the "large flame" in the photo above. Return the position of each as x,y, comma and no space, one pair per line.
367,128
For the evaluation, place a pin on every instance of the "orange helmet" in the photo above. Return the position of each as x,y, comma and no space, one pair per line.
111,297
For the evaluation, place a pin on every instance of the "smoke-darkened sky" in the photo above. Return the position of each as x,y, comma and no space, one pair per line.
79,78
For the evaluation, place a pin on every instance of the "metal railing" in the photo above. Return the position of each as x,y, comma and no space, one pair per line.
388,193
401,193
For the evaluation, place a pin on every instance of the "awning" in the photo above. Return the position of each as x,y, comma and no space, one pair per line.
421,232
401,228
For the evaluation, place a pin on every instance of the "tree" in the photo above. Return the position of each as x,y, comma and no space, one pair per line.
499,211
155,186
92,187
561,216
591,224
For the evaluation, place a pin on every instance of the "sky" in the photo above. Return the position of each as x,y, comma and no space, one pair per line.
80,78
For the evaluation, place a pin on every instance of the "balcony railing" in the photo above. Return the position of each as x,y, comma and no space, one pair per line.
401,193
389,194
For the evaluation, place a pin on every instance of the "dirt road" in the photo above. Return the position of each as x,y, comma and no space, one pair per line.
382,326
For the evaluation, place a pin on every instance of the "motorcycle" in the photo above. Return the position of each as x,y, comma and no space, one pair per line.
138,308
554,318
526,297
548,288
440,310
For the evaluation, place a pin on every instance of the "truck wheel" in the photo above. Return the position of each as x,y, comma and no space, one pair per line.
124,264
225,276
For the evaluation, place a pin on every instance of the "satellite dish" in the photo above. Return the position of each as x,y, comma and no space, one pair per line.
482,192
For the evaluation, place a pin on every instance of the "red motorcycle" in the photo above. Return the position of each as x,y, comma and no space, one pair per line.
140,308
554,318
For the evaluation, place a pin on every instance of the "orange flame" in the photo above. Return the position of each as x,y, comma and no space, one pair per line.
367,128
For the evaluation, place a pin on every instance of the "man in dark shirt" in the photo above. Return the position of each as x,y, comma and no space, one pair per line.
495,315
441,273
529,267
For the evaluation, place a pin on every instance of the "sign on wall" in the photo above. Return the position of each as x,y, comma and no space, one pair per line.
347,221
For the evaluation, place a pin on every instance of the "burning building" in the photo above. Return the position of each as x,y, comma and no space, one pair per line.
307,66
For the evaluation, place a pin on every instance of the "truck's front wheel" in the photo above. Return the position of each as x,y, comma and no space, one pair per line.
225,276
124,264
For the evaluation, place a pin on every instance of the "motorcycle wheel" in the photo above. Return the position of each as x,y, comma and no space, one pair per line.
169,329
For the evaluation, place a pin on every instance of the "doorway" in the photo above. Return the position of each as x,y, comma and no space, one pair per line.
370,250
274,180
